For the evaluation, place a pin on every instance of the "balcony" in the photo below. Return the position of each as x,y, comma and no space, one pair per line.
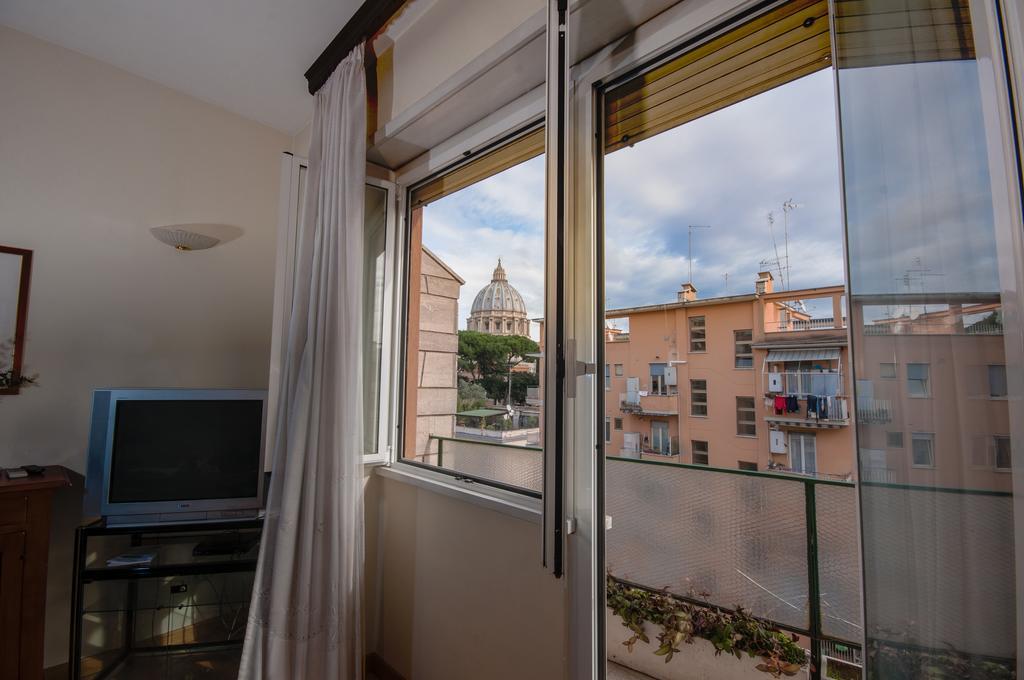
837,414
789,325
644,404
874,411
821,383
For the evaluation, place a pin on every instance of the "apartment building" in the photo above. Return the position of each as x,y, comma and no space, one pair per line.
925,418
755,381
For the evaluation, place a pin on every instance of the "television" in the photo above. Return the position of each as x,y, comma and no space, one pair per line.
176,455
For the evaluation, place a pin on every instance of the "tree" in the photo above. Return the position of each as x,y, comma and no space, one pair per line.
471,396
489,359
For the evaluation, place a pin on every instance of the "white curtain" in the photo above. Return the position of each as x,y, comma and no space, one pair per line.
305,619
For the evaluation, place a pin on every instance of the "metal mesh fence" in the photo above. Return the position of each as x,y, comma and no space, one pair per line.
939,566
839,565
518,466
726,538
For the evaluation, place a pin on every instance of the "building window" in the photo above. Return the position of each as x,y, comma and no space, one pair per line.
618,423
618,370
607,430
803,453
746,418
660,441
744,350
923,449
698,397
894,440
918,383
747,465
1002,450
698,334
887,371
607,377
700,452
658,376
997,380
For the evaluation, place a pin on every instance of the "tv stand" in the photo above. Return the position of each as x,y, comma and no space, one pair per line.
184,611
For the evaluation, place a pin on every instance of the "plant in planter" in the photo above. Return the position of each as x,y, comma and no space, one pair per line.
903,662
680,621
7,378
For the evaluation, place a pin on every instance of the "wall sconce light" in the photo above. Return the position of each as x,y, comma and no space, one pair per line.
185,237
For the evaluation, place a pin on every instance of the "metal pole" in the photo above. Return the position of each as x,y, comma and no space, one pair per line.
813,586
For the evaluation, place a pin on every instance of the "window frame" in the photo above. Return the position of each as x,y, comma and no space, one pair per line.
1006,386
693,400
752,410
291,202
694,453
884,374
802,437
927,380
748,342
922,436
500,133
703,328
996,438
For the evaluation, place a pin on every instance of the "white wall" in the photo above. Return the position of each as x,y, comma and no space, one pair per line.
90,158
458,591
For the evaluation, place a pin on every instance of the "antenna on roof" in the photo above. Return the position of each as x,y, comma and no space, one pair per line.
788,206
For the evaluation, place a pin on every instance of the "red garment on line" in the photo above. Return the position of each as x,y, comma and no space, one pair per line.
780,405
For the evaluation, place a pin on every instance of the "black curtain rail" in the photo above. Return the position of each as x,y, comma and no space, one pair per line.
371,16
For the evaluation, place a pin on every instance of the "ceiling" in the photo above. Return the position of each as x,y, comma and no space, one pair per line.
247,56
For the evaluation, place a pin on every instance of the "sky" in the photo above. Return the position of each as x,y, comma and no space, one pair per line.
727,170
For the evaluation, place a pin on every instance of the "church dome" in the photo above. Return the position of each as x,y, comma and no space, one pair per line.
499,296
499,308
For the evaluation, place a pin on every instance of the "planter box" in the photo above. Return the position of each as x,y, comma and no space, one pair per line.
694,661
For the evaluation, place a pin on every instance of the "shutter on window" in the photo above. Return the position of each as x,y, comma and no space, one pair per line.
877,32
772,49
522,149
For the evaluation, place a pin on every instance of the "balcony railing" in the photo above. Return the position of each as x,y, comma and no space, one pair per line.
812,382
837,413
791,325
649,404
731,538
874,411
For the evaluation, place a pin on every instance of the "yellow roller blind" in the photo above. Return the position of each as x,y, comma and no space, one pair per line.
522,149
772,49
878,32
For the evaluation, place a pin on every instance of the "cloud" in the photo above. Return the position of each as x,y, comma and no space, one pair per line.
728,170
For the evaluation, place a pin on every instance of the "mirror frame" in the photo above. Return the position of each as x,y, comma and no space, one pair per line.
21,315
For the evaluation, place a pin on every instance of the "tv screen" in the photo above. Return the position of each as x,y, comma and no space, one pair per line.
185,450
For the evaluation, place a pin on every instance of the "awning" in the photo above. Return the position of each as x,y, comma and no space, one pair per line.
823,354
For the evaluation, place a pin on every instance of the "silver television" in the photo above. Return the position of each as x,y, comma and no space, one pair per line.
176,455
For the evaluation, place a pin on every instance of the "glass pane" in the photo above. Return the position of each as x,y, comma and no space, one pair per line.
474,403
743,200
930,240
375,237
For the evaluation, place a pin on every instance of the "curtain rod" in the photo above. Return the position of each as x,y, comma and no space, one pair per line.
371,16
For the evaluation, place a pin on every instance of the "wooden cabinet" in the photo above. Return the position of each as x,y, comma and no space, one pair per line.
24,546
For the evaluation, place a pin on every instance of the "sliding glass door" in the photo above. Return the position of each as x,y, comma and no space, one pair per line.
933,243
806,214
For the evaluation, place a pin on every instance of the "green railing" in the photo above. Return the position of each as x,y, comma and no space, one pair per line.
737,538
